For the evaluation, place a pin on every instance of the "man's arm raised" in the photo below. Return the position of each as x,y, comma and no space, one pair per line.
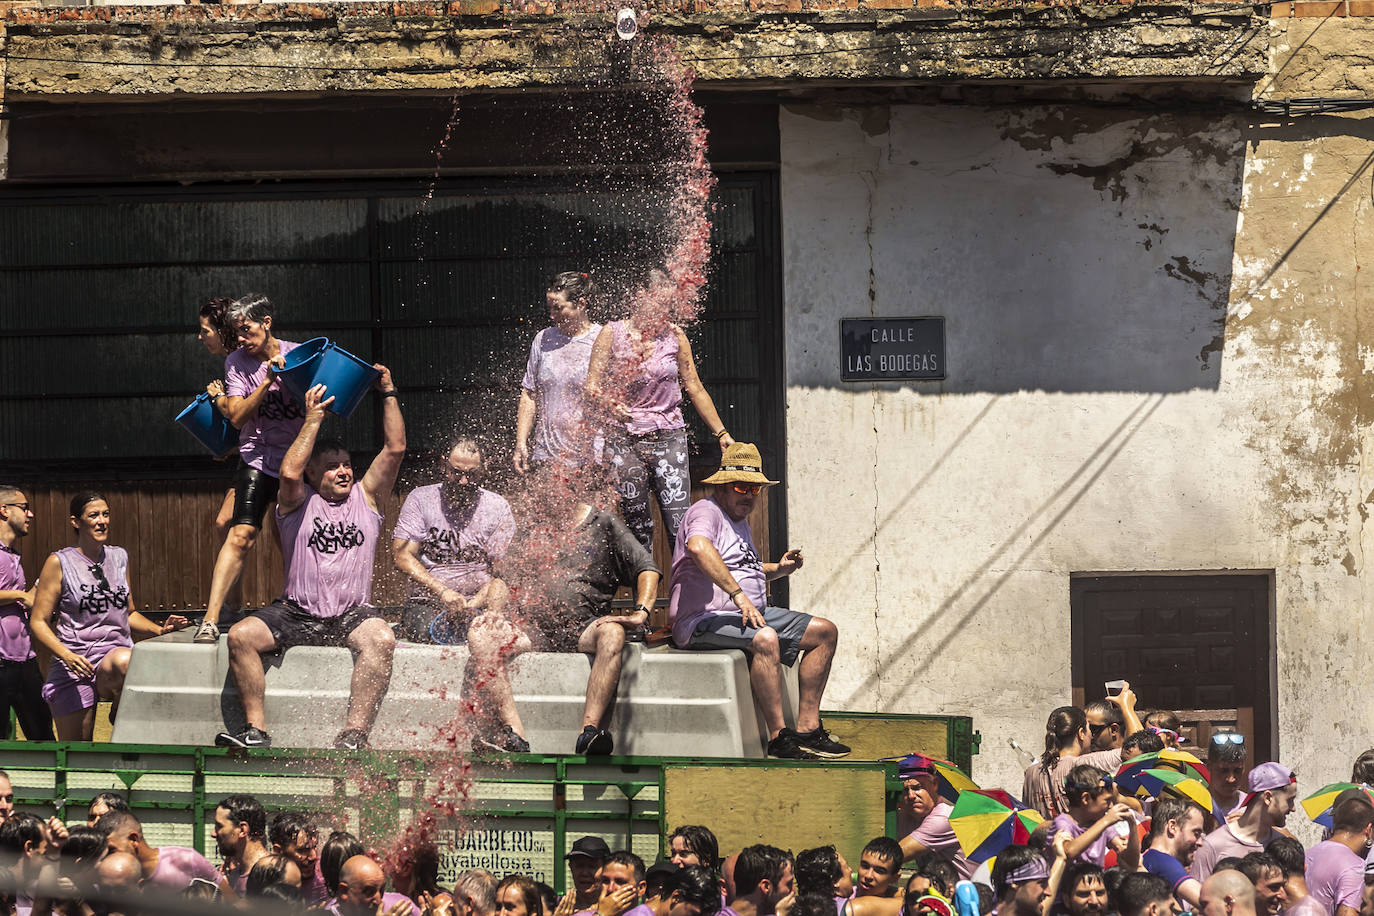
291,493
381,473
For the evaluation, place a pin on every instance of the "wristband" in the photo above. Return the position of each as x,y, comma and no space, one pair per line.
722,433
389,394
737,591
642,607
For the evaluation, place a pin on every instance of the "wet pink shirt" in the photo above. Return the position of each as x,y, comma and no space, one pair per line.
652,392
328,549
14,620
264,439
178,865
457,548
693,597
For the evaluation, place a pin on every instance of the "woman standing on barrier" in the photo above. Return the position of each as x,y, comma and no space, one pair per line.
268,419
83,616
553,392
218,338
639,370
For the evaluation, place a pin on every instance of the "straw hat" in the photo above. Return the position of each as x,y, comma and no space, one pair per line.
740,464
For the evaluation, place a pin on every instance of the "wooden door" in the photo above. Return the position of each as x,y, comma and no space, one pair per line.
1196,644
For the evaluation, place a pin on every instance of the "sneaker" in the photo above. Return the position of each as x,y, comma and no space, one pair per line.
820,743
249,737
594,742
505,740
351,739
787,746
208,632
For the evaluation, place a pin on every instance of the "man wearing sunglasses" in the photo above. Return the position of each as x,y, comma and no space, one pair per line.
719,600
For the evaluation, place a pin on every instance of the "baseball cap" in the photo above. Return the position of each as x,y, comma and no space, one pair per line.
1268,776
661,878
591,846
661,867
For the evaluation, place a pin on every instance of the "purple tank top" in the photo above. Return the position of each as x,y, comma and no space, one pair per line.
329,548
14,620
92,615
264,439
651,389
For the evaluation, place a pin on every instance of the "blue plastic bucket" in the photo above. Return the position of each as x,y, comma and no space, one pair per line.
209,426
320,361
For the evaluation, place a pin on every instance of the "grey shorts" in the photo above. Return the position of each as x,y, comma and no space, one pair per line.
727,631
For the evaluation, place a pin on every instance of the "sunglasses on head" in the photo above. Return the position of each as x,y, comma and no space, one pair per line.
1224,738
747,489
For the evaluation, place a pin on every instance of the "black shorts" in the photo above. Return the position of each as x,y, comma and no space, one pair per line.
293,625
254,491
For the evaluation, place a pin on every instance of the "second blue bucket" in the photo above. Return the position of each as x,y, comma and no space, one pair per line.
320,361
209,426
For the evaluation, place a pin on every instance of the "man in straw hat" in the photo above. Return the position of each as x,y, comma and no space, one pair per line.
719,600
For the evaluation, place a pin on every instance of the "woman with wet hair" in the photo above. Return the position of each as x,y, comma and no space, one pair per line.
639,370
83,615
517,895
268,419
218,337
553,392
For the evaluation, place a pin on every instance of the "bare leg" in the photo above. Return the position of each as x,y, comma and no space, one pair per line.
76,726
109,677
229,566
248,640
492,640
603,640
222,520
818,642
765,669
373,645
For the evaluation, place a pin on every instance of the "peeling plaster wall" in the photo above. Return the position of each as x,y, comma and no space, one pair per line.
1134,385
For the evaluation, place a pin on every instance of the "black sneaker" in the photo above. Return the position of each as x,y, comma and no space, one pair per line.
504,740
594,742
820,743
249,737
351,739
787,746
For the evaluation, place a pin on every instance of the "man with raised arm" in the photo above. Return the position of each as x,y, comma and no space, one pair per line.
330,523
719,600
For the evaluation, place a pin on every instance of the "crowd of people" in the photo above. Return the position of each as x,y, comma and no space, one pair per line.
598,426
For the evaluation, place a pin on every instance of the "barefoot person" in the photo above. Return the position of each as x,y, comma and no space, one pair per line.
83,615
329,524
719,600
268,419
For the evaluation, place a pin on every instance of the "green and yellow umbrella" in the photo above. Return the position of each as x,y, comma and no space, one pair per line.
1128,776
986,821
1318,805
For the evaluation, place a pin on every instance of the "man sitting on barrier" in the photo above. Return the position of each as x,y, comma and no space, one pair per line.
329,531
567,570
719,600
446,539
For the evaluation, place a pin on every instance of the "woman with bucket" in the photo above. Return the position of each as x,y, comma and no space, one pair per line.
640,367
553,390
83,615
268,419
218,338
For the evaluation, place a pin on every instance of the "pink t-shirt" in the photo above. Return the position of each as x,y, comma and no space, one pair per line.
693,597
937,835
264,439
1219,844
556,375
650,388
1096,853
458,549
178,865
1307,906
328,549
92,615
1335,876
14,620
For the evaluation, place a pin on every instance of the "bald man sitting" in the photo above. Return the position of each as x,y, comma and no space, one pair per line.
362,892
1227,893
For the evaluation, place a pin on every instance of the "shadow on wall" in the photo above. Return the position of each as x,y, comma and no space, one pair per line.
1070,248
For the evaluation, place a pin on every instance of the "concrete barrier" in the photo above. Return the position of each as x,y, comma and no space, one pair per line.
670,703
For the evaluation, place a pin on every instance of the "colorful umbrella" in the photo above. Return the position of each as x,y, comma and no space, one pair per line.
986,821
949,779
1171,782
1318,805
1168,759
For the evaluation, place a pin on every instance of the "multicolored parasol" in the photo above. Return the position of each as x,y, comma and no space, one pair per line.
986,821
